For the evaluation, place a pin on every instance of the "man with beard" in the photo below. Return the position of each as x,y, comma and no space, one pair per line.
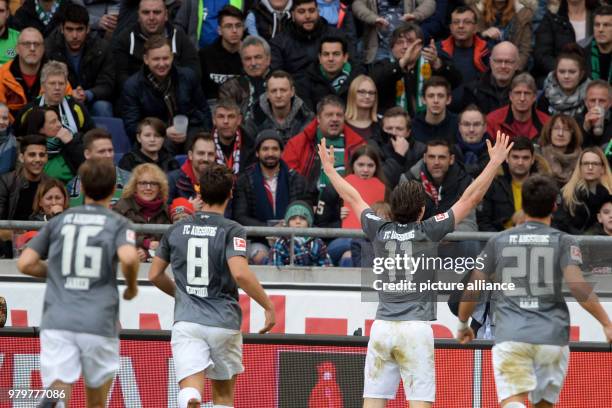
265,189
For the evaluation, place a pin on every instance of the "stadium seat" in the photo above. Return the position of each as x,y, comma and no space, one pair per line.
121,141
180,158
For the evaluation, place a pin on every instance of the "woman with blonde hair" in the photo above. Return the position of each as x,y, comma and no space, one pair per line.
361,108
144,201
560,143
582,196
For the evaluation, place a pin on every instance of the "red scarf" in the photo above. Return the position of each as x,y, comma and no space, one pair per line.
148,208
430,189
188,170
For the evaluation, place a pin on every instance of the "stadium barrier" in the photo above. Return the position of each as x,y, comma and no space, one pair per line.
297,371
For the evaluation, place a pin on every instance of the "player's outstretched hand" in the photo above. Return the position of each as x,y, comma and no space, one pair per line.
465,336
499,152
326,156
270,321
130,293
608,332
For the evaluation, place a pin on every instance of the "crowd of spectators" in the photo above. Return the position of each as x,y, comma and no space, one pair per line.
403,90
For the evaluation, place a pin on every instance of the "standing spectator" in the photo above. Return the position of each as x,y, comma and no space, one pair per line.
18,188
332,74
382,17
279,109
508,20
561,142
220,61
596,122
185,181
361,110
64,148
307,251
565,87
520,117
296,47
91,72
471,147
599,50
164,90
43,15
150,138
50,200
233,148
437,122
8,142
582,196
128,44
144,201
267,18
8,36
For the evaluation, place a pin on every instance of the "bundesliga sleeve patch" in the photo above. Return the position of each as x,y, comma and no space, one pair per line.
373,217
130,236
575,253
441,217
239,244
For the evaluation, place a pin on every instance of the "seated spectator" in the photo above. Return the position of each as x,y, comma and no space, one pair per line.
8,36
565,87
492,90
128,45
596,121
401,151
50,200
234,149
43,15
599,50
18,188
502,206
443,181
508,20
53,82
561,142
331,74
8,143
597,258
362,250
297,46
520,117
144,201
583,195
400,78
437,122
279,109
569,22
220,61
64,148
307,251
149,147
247,89
604,223
185,181
163,90
361,110
20,77
380,19
180,209
300,153
98,144
91,72
267,18
339,15
471,147
365,165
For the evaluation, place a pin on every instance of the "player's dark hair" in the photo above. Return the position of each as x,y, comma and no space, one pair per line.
523,143
98,178
30,140
216,184
95,134
75,13
539,195
407,199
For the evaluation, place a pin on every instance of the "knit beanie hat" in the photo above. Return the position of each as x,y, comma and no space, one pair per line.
181,205
301,208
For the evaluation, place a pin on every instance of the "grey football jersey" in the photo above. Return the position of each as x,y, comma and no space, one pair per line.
198,249
532,256
414,240
81,247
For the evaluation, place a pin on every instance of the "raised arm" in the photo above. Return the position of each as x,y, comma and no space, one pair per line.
477,190
343,188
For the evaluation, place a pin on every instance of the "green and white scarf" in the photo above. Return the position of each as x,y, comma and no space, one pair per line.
45,17
339,80
595,69
338,143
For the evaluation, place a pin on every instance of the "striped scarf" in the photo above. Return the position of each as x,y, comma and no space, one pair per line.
45,17
233,161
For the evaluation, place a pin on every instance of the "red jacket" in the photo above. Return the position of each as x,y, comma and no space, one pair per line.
481,52
299,153
502,119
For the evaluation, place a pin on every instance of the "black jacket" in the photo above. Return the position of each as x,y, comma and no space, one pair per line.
128,49
483,93
497,207
165,160
83,120
26,16
265,24
395,165
11,185
589,139
585,213
446,130
217,66
97,73
140,100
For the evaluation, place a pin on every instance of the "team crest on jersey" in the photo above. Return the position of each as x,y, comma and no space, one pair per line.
239,244
575,253
441,217
130,236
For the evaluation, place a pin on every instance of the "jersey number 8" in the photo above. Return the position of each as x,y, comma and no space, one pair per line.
197,260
